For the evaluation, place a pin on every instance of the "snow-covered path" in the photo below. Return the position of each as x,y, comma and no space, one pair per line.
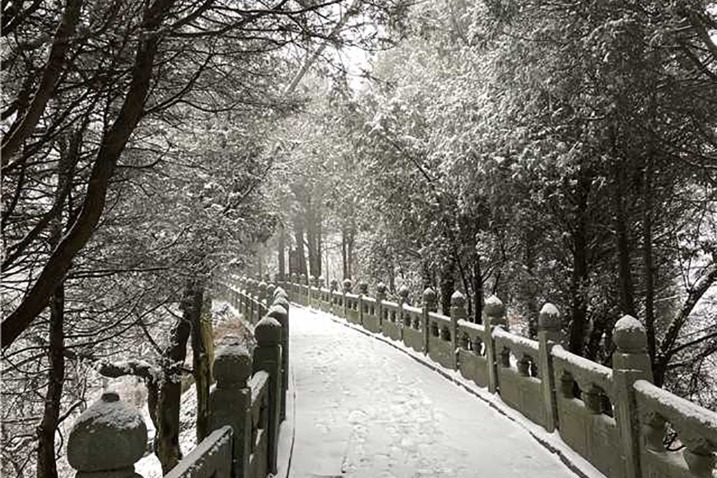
364,409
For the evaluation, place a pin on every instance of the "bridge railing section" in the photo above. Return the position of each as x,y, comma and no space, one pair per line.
247,405
615,417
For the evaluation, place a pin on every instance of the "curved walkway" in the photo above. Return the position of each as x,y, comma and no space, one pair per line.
364,409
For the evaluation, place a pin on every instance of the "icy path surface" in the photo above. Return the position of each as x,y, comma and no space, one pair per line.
365,409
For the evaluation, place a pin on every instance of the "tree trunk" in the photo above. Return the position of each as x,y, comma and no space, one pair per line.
201,319
282,252
625,284
477,290
166,441
300,254
648,263
580,280
447,285
46,463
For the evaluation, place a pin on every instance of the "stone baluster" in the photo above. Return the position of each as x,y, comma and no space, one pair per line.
630,362
494,312
458,312
429,305
549,325
267,357
230,400
363,291
280,312
380,297
107,439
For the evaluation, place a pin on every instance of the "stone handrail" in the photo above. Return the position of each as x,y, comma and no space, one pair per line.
696,430
613,417
213,456
247,404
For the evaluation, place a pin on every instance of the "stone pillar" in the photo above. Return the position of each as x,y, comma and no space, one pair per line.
280,312
347,290
630,362
363,290
549,325
429,305
494,311
458,312
107,440
380,297
230,400
267,357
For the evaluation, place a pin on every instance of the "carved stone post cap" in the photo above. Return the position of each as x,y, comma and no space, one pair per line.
381,288
403,291
279,292
629,335
429,296
458,299
321,280
363,287
494,307
268,332
270,288
549,318
109,435
334,284
262,286
232,365
348,285
278,312
283,302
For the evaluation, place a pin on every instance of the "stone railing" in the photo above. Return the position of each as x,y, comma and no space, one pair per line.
615,417
247,405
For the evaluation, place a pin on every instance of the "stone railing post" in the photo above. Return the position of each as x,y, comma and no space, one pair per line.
429,305
347,290
267,357
280,312
494,311
458,312
107,440
549,325
363,291
292,285
403,293
630,362
380,297
230,400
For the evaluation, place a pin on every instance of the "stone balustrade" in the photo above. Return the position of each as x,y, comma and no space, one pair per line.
247,404
615,417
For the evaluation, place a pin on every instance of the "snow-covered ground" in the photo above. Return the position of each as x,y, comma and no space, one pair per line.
363,409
